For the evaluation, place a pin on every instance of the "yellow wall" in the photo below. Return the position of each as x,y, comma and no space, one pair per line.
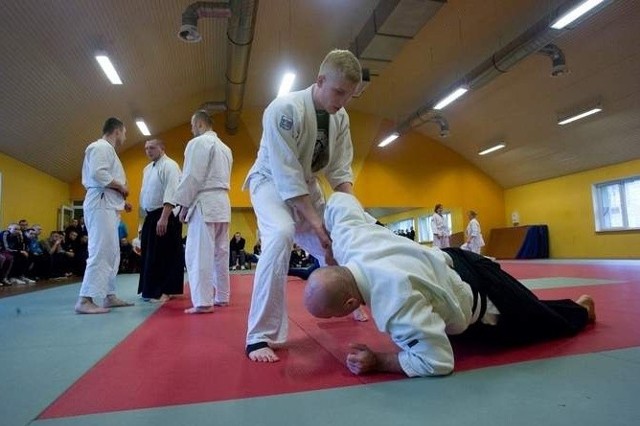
565,204
30,194
416,172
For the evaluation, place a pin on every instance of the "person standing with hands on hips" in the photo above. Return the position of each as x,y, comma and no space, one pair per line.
104,178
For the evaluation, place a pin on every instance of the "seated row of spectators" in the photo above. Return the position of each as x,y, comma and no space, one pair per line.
25,258
300,264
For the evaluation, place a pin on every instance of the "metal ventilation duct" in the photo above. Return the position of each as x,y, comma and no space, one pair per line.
240,37
391,25
241,27
558,62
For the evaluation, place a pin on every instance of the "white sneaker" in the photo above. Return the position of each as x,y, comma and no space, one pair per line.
17,281
243,267
7,282
27,280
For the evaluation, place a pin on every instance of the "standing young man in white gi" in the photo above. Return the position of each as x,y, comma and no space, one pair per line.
161,260
103,177
203,194
305,134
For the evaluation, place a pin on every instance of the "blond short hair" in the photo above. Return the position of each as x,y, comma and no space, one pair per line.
343,64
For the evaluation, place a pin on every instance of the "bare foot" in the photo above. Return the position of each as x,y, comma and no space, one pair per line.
221,304
263,355
360,315
199,310
587,302
176,296
111,301
161,299
86,306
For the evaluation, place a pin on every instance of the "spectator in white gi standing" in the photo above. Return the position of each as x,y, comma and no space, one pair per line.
474,241
439,228
104,178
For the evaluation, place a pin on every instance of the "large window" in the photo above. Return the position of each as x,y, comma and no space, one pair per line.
424,227
401,226
617,204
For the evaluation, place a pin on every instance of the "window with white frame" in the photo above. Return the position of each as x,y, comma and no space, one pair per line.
425,235
616,204
401,226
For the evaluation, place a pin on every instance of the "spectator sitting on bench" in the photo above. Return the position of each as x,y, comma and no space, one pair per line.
236,252
301,264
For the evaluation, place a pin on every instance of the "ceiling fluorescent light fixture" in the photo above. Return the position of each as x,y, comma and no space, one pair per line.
492,149
108,68
287,82
450,98
580,115
392,137
143,127
575,13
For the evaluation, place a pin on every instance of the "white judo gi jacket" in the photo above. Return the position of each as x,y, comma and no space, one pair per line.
159,182
101,166
288,140
206,178
414,294
440,231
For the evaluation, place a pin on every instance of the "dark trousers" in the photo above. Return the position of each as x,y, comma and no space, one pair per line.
237,257
41,266
20,265
162,259
523,317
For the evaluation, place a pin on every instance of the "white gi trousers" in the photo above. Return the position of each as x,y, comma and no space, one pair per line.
207,260
440,241
279,228
104,253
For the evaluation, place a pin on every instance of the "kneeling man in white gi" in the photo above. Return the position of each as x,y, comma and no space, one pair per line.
420,295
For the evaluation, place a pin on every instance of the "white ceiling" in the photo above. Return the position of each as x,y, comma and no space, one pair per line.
54,97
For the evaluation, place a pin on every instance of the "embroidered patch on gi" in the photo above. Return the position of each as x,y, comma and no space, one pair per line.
286,122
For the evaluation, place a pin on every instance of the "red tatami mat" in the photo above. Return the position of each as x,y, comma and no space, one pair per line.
173,358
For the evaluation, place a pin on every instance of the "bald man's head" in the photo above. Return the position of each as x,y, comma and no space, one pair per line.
331,292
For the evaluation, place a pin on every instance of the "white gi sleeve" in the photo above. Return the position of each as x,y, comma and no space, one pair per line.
474,230
420,334
339,168
196,162
281,125
100,163
171,178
